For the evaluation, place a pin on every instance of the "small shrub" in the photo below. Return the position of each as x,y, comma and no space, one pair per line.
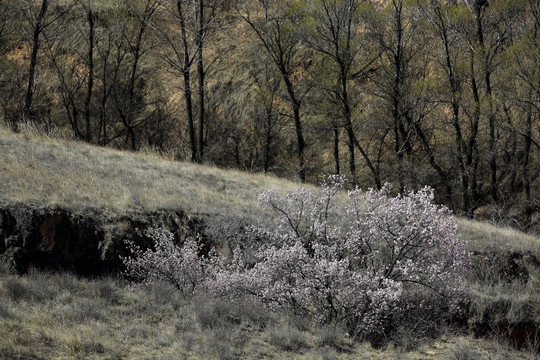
82,309
15,289
215,313
286,337
254,312
356,260
221,351
20,290
189,341
179,266
226,341
418,324
161,294
184,325
108,291
331,337
327,354
298,321
16,354
5,312
63,281
464,351
4,268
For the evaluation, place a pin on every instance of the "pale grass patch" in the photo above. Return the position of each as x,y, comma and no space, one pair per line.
52,172
138,323
483,236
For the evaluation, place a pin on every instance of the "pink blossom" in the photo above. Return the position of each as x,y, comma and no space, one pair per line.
355,258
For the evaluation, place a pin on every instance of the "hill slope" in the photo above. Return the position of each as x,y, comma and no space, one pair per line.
48,172
69,204
65,204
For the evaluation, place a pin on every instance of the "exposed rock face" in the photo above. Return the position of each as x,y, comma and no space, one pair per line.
87,244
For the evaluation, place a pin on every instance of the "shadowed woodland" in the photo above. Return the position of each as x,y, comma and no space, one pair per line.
420,92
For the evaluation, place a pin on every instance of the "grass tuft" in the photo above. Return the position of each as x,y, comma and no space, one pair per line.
109,319
464,351
330,336
286,337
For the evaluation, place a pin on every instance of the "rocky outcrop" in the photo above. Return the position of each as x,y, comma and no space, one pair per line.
87,244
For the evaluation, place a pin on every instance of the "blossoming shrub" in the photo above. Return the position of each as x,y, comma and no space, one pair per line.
180,266
366,259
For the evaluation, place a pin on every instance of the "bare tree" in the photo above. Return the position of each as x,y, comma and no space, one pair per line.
276,28
523,92
488,39
90,83
8,24
129,102
111,58
39,21
394,31
196,22
449,46
268,123
70,81
339,36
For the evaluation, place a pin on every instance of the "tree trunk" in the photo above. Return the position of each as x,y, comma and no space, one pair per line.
267,140
458,135
91,24
200,73
336,149
187,83
472,160
297,124
347,119
528,211
33,60
397,58
491,114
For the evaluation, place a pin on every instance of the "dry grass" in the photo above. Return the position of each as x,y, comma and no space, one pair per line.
504,277
106,319
50,172
483,236
60,316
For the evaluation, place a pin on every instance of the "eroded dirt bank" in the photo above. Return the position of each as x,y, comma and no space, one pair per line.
87,244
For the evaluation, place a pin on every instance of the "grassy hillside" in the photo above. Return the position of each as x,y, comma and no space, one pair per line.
58,316
51,189
68,317
51,172
48,172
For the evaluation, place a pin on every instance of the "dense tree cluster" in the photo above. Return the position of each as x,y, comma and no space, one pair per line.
438,92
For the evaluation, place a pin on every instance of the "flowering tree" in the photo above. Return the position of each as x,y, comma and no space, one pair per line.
358,259
364,259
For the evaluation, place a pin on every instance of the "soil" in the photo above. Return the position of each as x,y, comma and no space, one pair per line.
88,244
